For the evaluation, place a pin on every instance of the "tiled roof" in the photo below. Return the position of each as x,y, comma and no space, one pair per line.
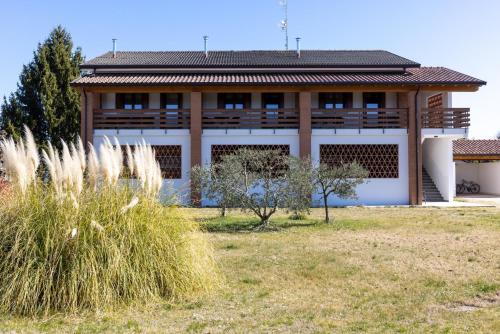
245,59
416,76
489,147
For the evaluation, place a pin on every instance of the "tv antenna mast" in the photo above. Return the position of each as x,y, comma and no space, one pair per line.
284,22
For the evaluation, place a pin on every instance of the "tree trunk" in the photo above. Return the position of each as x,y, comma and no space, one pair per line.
223,211
327,216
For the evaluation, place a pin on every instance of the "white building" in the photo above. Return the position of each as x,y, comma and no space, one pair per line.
389,113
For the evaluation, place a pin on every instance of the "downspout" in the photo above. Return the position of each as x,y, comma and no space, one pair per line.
417,138
84,134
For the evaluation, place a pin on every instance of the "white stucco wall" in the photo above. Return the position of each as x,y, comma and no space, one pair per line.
487,175
437,158
180,187
489,178
154,101
389,191
466,171
108,101
209,100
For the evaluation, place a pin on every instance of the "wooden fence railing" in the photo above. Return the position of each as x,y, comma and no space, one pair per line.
359,118
251,119
141,119
446,118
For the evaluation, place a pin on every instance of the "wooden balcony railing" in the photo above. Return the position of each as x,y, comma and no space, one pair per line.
141,119
359,118
446,118
251,119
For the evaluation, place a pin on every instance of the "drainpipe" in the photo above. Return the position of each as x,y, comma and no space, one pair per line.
84,134
418,139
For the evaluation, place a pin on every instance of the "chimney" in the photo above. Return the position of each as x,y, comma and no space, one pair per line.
114,47
298,46
205,39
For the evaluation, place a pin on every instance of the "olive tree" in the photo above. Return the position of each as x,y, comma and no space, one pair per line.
341,180
257,181
300,186
216,183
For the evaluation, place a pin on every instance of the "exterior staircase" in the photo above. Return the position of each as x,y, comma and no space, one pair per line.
431,192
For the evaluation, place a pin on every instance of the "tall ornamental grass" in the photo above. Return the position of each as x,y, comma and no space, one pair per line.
80,239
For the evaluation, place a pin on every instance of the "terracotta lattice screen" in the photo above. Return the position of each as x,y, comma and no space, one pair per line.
219,151
380,160
170,159
435,101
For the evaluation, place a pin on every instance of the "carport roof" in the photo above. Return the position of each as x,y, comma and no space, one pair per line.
476,149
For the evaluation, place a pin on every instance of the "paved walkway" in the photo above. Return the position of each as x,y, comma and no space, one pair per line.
491,200
456,204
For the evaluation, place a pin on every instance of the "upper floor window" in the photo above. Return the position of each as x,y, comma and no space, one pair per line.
273,100
171,101
132,101
335,100
373,100
230,101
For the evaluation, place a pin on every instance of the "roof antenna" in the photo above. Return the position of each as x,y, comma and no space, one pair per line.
114,47
298,46
205,39
284,22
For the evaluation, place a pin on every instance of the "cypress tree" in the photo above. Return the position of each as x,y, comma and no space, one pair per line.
44,100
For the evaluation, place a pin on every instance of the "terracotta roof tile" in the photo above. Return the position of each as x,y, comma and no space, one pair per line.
422,75
487,147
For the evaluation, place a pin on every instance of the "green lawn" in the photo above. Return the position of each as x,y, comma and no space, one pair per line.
373,270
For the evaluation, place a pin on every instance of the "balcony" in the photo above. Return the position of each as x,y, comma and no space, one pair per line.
251,119
359,118
438,118
141,119
446,118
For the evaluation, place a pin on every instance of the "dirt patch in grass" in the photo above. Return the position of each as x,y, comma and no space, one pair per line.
475,304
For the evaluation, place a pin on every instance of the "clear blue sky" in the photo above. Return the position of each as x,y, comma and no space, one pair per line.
461,34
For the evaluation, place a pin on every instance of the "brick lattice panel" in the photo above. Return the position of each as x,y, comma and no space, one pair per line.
170,159
380,160
435,101
219,151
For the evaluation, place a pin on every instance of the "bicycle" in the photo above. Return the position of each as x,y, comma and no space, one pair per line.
469,187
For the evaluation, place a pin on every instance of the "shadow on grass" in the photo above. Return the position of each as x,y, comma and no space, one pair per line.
231,224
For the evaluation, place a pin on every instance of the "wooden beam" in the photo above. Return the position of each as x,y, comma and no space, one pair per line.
276,88
458,157
305,131
414,150
196,132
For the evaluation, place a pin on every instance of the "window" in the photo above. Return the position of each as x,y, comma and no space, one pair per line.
380,160
218,152
373,100
231,101
171,101
335,100
169,157
132,101
273,100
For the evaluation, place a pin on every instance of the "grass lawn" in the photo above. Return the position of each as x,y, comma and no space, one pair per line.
372,270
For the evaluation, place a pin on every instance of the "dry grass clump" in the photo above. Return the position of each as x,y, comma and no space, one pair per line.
83,240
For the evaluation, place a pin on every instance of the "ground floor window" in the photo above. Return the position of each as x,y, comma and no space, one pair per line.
219,151
170,159
380,160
